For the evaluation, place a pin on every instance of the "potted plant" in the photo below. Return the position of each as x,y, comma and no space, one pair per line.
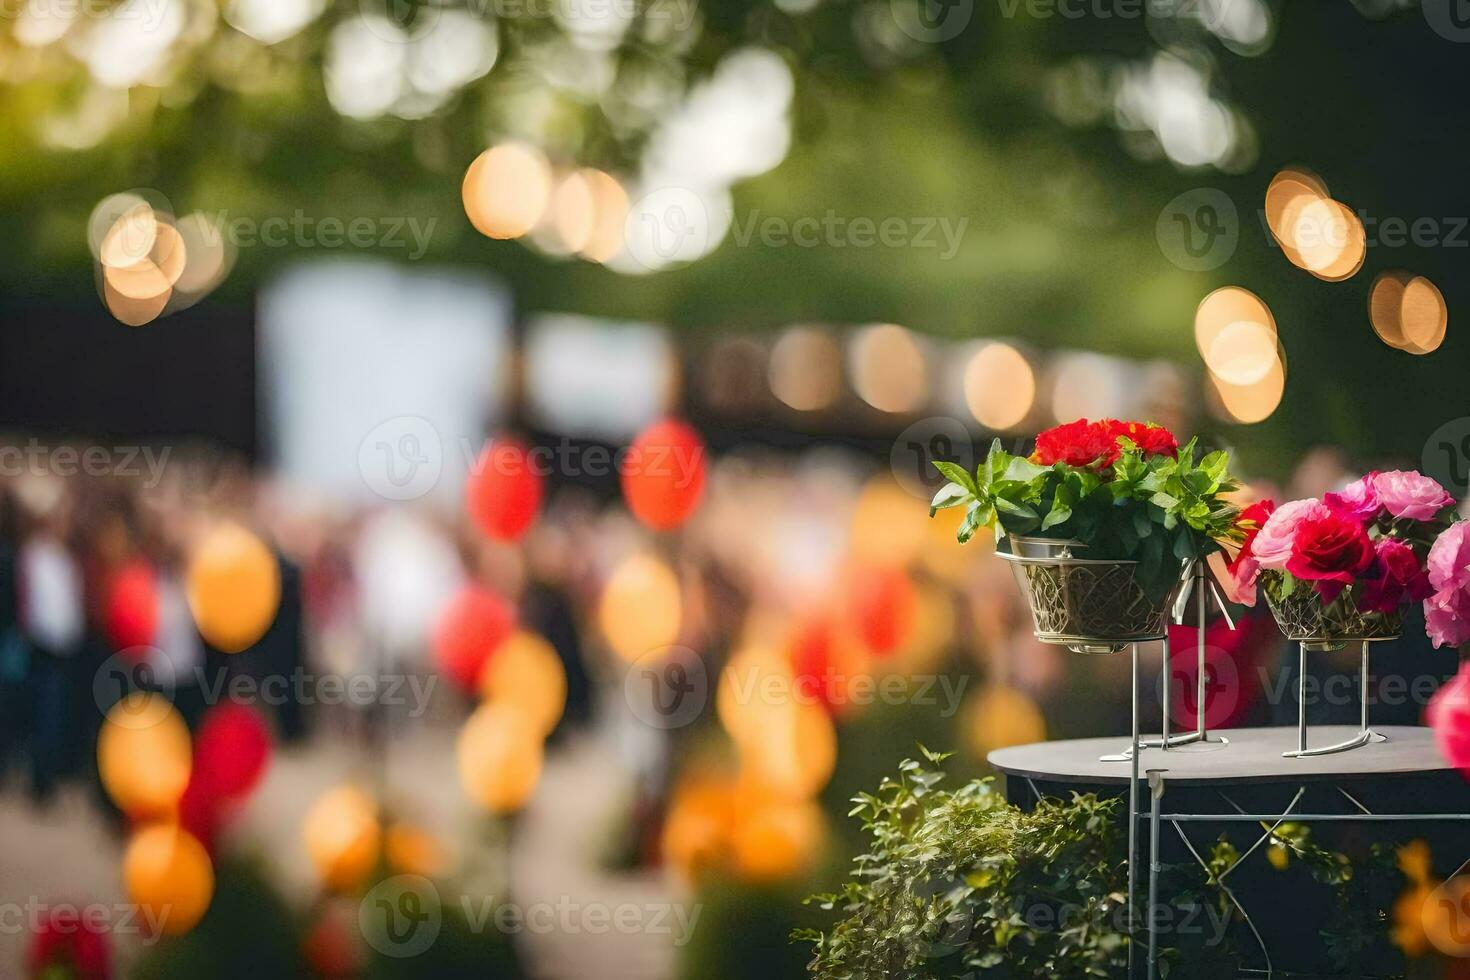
1098,523
1344,568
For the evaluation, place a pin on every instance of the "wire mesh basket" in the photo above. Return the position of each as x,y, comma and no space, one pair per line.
1303,618
1087,605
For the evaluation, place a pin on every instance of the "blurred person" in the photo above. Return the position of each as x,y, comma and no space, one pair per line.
15,709
547,608
52,622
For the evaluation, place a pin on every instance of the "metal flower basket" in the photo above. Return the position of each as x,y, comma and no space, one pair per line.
1304,619
1087,605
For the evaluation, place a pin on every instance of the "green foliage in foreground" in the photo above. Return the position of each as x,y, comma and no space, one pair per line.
962,883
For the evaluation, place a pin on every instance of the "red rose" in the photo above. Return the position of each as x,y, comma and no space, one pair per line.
1078,443
1083,443
1397,576
1253,518
1330,551
1154,440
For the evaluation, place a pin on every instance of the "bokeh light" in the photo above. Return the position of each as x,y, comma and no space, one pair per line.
234,587
342,836
640,608
663,475
886,526
507,189
503,491
997,716
1000,386
499,757
469,630
1408,312
168,873
888,368
806,369
525,674
776,840
144,755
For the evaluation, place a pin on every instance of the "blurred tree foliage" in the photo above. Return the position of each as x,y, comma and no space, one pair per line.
1011,126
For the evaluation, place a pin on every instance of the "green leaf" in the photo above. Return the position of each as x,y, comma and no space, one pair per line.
1164,501
1021,468
955,473
1057,515
979,515
949,495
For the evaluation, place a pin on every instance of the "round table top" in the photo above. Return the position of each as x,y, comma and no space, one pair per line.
1253,755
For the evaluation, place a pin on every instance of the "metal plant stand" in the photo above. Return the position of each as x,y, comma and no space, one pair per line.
1364,735
1194,580
1317,627
1097,606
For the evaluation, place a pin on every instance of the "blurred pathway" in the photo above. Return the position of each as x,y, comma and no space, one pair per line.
67,852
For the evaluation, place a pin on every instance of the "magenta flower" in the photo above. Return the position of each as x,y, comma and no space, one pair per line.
1394,578
1405,493
1449,715
1447,611
1358,501
1273,547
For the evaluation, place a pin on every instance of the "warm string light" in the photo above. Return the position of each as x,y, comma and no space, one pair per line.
1407,312
1237,338
148,263
1316,233
511,191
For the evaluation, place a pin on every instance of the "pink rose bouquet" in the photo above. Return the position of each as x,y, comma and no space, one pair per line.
1365,554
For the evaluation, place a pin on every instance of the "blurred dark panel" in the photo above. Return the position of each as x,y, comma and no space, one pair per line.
69,369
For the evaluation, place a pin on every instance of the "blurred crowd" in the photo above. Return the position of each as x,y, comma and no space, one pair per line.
822,556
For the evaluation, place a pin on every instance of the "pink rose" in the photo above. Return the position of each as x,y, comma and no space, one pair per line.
1449,559
1411,495
1395,578
1449,715
1447,611
1447,619
1272,547
1358,501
